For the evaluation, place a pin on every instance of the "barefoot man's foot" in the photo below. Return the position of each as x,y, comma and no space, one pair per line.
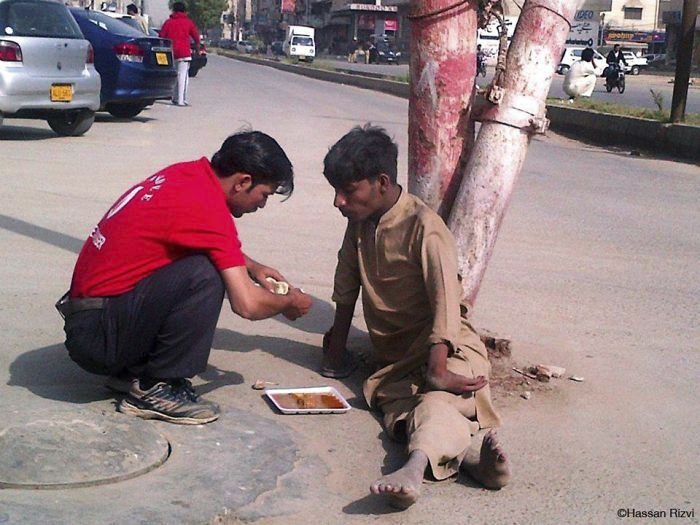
402,487
490,467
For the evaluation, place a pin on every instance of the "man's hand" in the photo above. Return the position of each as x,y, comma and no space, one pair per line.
259,273
337,362
301,304
439,377
455,383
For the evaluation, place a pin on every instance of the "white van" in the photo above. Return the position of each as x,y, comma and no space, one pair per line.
300,43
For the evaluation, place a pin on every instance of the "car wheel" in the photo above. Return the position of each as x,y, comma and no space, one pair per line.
125,110
563,69
635,70
72,123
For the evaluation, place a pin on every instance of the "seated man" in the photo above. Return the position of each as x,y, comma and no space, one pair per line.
431,385
149,281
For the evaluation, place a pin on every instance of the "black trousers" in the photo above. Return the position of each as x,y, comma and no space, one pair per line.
161,329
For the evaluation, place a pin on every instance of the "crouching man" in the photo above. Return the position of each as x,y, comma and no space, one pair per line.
431,386
149,282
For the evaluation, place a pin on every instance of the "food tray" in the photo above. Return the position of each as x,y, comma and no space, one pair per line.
308,400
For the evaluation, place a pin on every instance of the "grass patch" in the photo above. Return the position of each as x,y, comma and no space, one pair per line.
658,114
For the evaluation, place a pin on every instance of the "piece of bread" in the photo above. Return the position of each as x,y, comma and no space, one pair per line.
279,287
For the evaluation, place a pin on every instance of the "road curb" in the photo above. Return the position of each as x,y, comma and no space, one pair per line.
680,141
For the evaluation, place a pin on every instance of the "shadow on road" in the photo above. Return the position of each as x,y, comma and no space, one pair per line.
25,133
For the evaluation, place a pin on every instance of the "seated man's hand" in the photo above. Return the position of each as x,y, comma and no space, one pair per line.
337,362
301,304
439,377
455,383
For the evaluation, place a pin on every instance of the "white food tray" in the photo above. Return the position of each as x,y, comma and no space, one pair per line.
286,405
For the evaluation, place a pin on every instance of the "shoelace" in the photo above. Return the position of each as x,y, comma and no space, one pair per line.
182,388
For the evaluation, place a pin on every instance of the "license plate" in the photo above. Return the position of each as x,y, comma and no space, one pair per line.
162,59
61,92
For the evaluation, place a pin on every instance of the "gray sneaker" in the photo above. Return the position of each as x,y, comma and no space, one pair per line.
174,402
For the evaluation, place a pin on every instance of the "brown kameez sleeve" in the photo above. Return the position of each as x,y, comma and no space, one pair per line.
346,285
439,265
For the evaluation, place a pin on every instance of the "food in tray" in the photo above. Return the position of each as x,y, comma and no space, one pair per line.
309,401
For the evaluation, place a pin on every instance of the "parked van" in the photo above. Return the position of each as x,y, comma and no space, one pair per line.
300,43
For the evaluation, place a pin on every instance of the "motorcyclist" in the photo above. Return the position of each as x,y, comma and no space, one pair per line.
614,68
615,56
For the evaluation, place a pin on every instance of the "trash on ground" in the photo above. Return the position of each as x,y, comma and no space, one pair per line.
260,384
578,379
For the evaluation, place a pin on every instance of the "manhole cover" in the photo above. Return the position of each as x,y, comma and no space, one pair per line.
77,450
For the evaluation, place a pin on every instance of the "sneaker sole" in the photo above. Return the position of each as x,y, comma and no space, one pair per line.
125,407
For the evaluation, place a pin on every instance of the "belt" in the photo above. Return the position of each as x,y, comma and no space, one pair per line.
67,306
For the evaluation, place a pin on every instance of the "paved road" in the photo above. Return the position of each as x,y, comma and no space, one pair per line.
595,270
636,94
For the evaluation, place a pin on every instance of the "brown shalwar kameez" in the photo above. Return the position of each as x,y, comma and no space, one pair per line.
406,266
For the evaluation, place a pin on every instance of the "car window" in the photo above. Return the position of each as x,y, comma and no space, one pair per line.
40,19
302,41
112,25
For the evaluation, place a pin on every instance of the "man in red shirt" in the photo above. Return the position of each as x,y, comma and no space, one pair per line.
180,29
148,285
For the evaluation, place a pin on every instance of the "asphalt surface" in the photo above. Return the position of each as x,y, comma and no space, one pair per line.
595,270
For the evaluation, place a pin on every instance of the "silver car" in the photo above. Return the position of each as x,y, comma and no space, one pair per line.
46,67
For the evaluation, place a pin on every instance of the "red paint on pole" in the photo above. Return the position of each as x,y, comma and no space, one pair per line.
442,70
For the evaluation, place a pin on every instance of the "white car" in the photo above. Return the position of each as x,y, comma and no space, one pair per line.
634,63
245,46
47,68
573,54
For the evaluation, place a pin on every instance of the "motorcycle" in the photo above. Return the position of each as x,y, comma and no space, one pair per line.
614,78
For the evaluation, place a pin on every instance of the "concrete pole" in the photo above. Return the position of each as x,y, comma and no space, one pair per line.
684,57
442,72
515,113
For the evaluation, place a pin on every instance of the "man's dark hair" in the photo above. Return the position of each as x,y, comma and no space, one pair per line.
258,155
179,7
587,55
131,8
365,152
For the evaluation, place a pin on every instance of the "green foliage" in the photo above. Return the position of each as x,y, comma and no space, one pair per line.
205,13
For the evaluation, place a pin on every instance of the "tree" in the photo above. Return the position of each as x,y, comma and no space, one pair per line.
205,13
469,182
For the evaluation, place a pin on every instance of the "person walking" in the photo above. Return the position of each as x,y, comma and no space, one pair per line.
133,10
149,282
181,29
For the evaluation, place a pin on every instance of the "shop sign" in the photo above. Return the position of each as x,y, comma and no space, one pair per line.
391,25
634,36
584,29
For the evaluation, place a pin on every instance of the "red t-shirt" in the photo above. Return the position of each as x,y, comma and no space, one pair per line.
177,212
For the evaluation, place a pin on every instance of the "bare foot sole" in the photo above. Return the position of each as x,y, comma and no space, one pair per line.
490,467
402,488
398,488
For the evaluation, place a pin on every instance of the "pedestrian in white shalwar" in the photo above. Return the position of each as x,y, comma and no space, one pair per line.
580,79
